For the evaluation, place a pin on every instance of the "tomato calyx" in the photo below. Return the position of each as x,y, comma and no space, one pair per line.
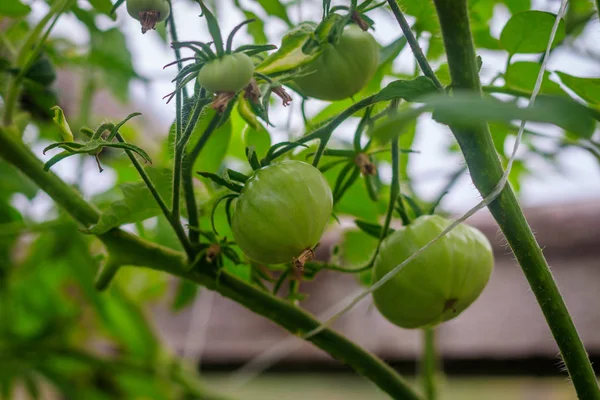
303,258
222,100
366,166
149,19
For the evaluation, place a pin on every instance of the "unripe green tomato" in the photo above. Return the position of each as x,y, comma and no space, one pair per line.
343,69
227,74
441,282
148,12
282,211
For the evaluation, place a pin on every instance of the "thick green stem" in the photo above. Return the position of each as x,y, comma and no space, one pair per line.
486,171
15,152
284,313
132,250
429,365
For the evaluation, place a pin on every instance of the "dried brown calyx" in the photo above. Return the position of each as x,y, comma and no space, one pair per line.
222,100
149,19
212,252
252,91
359,21
365,164
285,97
304,257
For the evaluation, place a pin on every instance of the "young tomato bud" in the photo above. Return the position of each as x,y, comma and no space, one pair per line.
148,12
282,212
228,74
441,282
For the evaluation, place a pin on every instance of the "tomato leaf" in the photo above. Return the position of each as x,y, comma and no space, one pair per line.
468,110
290,55
105,7
409,90
275,8
586,88
137,203
522,75
13,9
529,32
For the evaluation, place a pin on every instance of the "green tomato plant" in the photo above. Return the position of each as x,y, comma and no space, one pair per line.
244,232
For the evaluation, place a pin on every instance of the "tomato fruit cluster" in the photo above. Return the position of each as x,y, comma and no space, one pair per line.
441,282
282,211
227,74
342,69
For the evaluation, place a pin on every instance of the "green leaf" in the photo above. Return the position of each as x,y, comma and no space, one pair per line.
257,28
13,9
215,149
386,129
409,90
186,293
356,250
110,54
275,8
468,110
586,88
290,55
516,6
103,6
137,203
257,138
425,14
522,75
529,32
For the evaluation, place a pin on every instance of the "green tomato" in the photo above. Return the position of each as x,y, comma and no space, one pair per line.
148,12
441,282
282,211
343,69
227,74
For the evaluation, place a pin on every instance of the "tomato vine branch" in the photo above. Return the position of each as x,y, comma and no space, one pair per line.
135,251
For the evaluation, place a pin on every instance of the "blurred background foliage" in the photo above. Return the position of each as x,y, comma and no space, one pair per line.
57,333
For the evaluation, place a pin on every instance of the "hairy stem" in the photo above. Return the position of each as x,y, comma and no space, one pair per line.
323,133
132,250
188,179
486,171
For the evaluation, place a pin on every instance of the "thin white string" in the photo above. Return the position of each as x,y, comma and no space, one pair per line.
281,349
196,334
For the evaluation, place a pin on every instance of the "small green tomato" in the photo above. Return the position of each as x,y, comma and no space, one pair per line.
343,69
227,74
441,282
148,12
282,212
